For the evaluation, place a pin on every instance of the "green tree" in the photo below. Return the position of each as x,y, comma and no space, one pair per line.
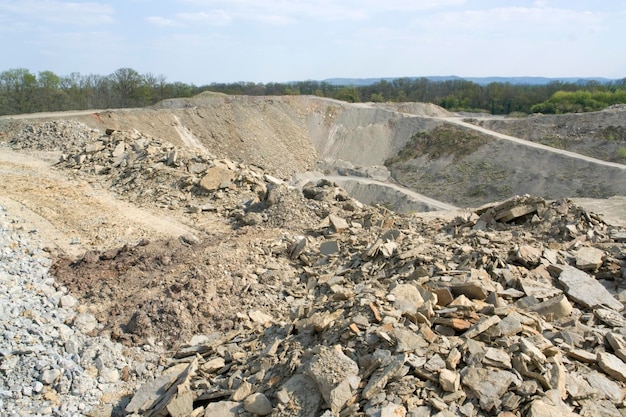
19,87
350,94
128,83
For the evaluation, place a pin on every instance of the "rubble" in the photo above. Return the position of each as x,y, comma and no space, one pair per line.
340,309
435,328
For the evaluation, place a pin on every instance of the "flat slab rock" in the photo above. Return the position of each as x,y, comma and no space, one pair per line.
585,290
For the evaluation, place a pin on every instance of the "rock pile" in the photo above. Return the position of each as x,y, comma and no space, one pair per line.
148,170
54,135
49,363
513,309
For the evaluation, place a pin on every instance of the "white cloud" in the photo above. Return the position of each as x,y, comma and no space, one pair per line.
162,21
289,11
515,18
213,18
59,12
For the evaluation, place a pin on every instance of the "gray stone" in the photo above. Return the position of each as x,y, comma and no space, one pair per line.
483,324
242,392
181,405
408,341
223,409
497,358
330,247
214,177
608,389
612,365
543,408
119,150
529,255
260,317
554,308
94,147
585,290
68,301
301,396
50,376
258,404
379,379
336,376
508,326
85,322
488,386
618,344
393,410
595,408
588,258
538,284
450,381
252,219
578,388
407,298
338,223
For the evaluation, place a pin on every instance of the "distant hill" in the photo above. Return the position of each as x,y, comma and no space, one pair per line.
358,82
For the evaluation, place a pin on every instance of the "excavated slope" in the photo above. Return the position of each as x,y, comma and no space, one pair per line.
289,134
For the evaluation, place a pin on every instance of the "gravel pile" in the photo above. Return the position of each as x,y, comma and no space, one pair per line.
49,365
52,135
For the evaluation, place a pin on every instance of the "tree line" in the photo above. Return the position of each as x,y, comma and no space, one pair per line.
24,92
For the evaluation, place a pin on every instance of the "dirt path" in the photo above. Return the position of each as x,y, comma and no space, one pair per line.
530,144
72,215
54,115
342,179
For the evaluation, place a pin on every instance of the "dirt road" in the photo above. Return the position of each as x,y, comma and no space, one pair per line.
460,122
344,181
52,115
73,215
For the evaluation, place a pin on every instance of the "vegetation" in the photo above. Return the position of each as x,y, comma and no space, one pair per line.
580,101
446,139
24,92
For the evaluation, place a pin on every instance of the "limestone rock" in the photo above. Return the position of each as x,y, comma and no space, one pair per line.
300,396
588,258
612,365
258,404
585,290
214,178
554,308
223,409
336,376
488,386
449,380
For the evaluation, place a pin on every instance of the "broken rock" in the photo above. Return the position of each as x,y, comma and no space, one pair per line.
588,258
336,376
585,290
258,404
488,386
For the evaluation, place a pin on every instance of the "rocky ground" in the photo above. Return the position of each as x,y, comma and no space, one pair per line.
144,277
597,134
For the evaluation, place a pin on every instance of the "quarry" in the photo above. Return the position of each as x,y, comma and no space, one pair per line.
302,256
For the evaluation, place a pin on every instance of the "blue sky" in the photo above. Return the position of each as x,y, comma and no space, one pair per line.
204,41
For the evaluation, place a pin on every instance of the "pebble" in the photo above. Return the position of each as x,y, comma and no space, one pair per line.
43,361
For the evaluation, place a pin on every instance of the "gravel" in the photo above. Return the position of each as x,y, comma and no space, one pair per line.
49,366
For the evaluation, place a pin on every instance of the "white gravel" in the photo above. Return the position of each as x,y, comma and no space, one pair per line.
48,365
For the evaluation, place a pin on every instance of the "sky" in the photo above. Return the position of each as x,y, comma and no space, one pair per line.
204,41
